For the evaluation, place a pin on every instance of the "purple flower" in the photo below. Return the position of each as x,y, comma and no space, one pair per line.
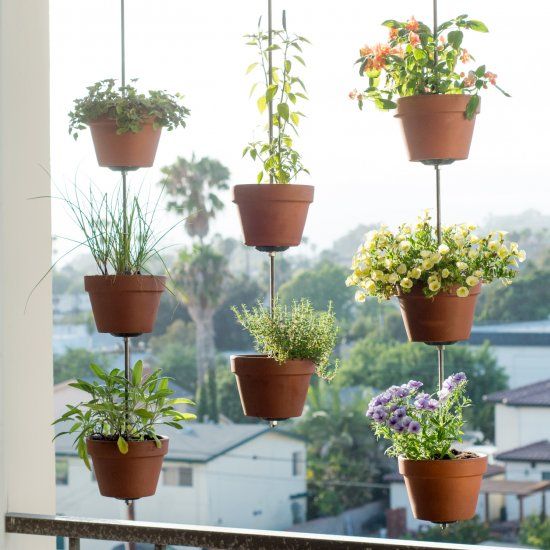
400,412
393,421
406,420
459,377
379,414
399,428
370,411
414,427
432,404
402,391
414,385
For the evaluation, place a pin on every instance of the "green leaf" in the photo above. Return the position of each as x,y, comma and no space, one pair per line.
283,111
262,104
288,65
472,107
419,54
137,373
295,118
144,414
98,371
480,71
300,59
122,445
455,38
271,92
392,24
181,401
251,67
260,176
476,25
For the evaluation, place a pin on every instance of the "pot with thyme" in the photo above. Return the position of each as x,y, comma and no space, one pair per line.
437,285
117,428
428,78
442,483
125,124
273,216
294,342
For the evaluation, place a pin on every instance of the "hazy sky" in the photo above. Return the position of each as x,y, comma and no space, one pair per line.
357,160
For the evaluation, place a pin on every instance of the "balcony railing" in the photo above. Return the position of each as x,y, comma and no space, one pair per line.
163,534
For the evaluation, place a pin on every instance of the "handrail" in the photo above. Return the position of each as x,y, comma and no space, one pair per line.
163,534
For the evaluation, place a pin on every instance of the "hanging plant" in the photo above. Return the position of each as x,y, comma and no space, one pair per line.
442,483
294,342
117,428
437,284
430,80
125,124
275,216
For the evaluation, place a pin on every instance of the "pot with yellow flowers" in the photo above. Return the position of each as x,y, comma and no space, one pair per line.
437,285
428,78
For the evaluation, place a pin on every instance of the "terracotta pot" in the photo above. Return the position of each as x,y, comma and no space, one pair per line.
125,305
443,319
129,150
435,127
130,476
443,491
271,390
273,215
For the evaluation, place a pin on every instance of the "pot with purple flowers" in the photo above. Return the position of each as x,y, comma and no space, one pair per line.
442,483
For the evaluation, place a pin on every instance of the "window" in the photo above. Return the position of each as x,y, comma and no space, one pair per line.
545,476
62,472
181,476
297,464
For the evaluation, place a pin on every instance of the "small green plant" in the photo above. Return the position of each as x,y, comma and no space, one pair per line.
535,532
415,62
122,411
295,332
280,161
129,108
391,262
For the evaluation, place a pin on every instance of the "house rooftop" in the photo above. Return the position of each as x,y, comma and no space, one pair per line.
196,442
523,333
535,452
532,395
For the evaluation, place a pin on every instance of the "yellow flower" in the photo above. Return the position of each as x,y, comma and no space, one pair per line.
415,273
462,266
425,253
514,248
388,263
493,245
503,252
435,258
445,273
434,286
360,296
377,275
432,278
472,227
462,292
393,278
351,280
478,273
444,249
369,286
472,280
474,239
406,283
522,255
473,254
405,246
402,269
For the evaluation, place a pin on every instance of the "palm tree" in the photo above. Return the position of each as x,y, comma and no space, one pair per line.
193,187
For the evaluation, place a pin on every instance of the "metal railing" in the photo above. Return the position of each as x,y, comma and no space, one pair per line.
163,534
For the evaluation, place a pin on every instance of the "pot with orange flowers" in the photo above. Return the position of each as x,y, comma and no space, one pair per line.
425,76
436,283
442,482
125,124
273,211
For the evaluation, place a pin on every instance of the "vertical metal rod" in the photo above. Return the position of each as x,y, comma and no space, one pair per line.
270,75
122,45
74,544
436,53
127,376
441,365
438,202
271,281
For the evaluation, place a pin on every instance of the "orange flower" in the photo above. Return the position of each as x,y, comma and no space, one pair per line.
491,77
414,39
412,24
465,56
470,80
353,94
365,50
394,33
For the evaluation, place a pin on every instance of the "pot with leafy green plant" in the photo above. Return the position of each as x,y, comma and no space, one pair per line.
437,100
442,483
125,124
117,428
437,285
274,216
295,341
125,297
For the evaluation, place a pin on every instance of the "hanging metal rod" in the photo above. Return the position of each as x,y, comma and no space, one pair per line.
438,202
441,365
271,281
122,45
270,75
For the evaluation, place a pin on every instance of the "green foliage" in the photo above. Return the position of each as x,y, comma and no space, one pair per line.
193,186
228,396
389,263
462,532
212,385
75,363
342,454
420,426
535,532
417,62
379,364
121,410
129,108
320,283
280,161
293,332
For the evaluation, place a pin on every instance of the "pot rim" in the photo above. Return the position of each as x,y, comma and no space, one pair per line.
417,292
418,104
435,468
262,365
106,120
103,448
277,192
136,282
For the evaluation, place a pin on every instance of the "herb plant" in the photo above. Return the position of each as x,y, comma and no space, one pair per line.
407,64
122,411
419,425
280,161
129,108
391,262
295,332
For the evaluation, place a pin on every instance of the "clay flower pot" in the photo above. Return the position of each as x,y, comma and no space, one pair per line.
444,319
271,390
125,305
129,150
435,127
443,491
273,215
130,476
